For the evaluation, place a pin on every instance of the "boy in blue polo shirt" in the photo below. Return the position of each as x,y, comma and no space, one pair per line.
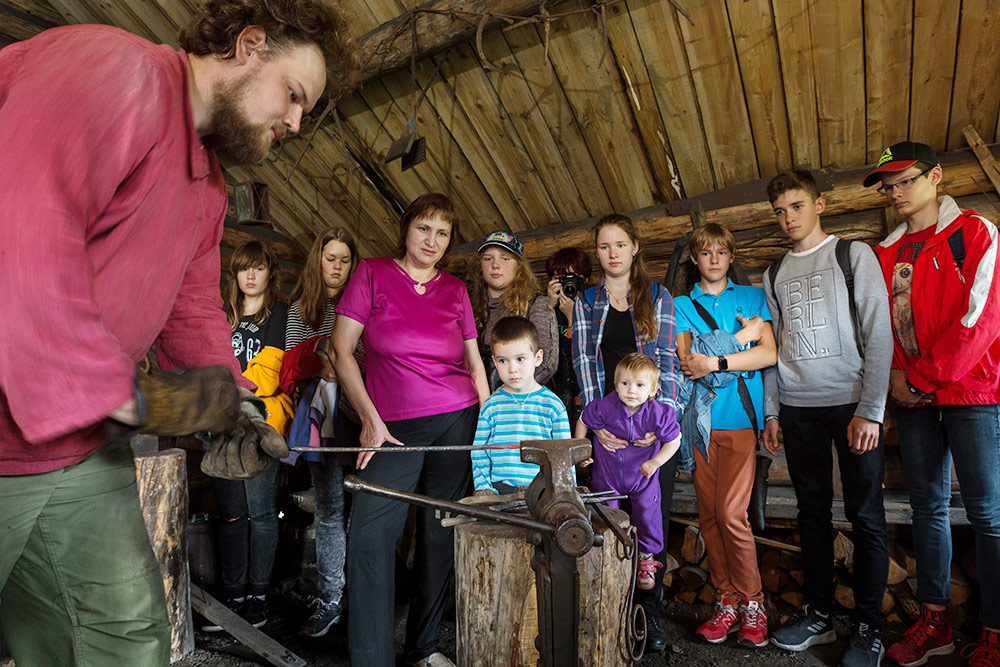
519,410
725,339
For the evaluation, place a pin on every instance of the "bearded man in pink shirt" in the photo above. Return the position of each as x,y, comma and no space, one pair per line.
112,206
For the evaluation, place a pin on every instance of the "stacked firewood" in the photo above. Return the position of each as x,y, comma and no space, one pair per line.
780,562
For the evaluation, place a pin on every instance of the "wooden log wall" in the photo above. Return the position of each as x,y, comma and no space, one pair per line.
852,211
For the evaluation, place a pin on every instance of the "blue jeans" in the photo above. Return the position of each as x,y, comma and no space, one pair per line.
929,437
248,531
331,536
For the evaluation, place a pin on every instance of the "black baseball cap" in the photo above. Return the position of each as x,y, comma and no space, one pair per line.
898,157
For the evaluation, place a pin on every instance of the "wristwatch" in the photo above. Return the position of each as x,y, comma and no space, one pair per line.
723,364
914,390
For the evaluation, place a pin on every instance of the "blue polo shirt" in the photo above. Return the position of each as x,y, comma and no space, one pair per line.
727,410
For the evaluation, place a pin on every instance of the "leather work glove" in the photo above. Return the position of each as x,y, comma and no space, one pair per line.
182,402
248,448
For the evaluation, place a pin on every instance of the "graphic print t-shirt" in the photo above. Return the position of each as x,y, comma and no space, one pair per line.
250,338
901,301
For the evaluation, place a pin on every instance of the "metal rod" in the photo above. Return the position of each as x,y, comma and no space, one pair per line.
355,484
400,449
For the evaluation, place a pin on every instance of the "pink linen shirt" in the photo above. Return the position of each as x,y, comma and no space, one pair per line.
111,213
414,343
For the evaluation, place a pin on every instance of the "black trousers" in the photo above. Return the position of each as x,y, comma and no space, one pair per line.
807,436
377,524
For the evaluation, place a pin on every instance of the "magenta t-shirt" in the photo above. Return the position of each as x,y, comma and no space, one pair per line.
414,343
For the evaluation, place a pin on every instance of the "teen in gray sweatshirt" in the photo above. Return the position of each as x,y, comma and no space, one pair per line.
829,386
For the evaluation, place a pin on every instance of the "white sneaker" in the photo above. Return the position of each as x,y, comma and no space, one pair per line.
436,659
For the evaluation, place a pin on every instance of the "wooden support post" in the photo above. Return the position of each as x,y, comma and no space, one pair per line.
162,481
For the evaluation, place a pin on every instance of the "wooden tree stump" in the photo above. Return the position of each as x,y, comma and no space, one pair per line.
162,481
496,604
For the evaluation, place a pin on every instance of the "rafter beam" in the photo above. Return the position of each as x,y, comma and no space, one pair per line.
963,175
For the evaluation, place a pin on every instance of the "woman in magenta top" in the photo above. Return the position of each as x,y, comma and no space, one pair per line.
424,382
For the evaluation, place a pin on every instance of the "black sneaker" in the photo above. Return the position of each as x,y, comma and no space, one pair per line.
255,611
865,648
235,606
809,628
325,615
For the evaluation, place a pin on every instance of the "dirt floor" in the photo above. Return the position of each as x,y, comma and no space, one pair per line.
680,621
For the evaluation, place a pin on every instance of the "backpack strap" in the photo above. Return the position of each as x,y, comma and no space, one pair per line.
773,272
843,252
957,244
741,385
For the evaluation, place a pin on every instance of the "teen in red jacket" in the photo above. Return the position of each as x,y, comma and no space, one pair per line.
940,267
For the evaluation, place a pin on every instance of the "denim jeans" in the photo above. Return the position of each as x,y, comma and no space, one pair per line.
808,433
929,437
248,531
331,536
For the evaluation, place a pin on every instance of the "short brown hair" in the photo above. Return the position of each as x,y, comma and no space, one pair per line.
792,179
569,260
512,329
214,28
425,206
710,235
638,363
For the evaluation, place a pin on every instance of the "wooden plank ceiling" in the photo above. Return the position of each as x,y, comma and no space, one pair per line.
544,132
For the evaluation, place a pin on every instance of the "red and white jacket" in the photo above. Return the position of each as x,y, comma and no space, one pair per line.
956,313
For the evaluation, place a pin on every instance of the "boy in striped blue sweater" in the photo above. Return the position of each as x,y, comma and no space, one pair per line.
520,410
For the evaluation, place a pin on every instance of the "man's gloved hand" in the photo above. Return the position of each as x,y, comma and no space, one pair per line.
182,402
248,448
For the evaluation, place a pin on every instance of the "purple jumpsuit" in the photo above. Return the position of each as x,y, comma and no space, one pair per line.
619,471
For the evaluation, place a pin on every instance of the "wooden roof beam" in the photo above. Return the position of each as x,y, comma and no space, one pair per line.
963,175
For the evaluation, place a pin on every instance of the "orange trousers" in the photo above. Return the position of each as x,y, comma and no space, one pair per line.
722,485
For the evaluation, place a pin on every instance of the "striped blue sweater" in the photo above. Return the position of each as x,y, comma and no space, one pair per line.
506,419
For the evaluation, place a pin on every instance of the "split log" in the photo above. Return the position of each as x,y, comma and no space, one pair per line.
707,594
905,598
906,558
794,598
162,482
687,597
897,572
694,546
844,594
496,605
843,550
960,587
693,577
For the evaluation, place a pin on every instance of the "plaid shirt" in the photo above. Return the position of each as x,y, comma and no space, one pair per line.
589,315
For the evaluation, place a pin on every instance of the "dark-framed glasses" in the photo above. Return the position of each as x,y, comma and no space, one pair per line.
902,184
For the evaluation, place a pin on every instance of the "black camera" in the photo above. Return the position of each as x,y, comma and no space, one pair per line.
572,284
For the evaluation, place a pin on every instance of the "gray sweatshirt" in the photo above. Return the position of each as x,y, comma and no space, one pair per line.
818,360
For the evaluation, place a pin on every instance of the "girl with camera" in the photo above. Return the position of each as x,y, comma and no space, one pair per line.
569,272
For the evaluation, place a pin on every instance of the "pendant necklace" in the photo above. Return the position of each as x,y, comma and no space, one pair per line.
420,287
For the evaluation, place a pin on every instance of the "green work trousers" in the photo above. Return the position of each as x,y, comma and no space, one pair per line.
79,584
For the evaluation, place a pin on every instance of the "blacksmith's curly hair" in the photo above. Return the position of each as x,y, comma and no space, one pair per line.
288,23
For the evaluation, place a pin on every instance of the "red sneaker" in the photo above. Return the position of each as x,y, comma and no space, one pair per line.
753,625
930,635
985,652
723,621
646,572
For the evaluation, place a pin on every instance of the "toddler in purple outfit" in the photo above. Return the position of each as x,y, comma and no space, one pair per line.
631,413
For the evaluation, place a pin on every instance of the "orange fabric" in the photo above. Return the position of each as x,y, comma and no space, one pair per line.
263,370
722,485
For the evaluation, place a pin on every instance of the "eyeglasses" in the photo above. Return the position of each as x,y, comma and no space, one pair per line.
903,184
